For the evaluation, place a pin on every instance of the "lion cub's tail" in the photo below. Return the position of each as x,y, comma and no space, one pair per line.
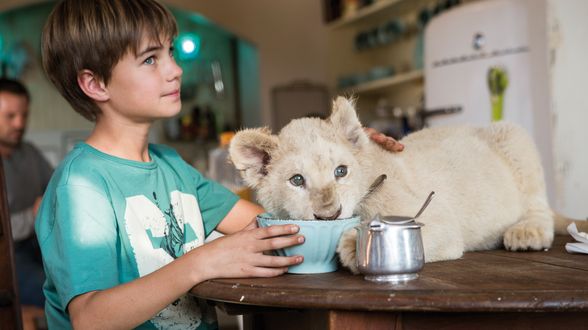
562,223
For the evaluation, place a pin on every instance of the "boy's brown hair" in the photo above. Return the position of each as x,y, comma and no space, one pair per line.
94,35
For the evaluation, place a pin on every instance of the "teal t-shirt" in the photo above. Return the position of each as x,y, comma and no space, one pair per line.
105,221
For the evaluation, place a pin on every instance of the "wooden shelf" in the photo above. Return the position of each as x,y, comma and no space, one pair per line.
375,85
363,13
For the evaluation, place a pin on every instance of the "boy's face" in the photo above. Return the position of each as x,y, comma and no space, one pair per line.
146,86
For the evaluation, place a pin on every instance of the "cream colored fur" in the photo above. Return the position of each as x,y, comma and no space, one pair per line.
488,182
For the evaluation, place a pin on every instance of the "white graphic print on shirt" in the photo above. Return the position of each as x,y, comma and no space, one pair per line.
157,237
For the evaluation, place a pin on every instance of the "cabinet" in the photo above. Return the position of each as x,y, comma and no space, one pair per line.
376,53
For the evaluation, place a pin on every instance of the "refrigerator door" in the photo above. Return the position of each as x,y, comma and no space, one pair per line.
490,59
462,47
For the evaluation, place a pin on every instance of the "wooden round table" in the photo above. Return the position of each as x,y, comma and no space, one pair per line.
489,289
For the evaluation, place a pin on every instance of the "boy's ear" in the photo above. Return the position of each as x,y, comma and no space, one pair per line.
344,120
92,86
251,151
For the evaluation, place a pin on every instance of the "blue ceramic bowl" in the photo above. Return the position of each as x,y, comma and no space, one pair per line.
320,245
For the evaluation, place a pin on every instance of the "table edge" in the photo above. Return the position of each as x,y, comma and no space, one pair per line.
390,300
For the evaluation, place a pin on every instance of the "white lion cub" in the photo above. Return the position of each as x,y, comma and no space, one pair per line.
488,182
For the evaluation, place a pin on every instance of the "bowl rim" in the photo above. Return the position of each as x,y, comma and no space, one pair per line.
269,216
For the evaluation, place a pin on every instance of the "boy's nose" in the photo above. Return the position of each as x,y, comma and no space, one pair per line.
175,71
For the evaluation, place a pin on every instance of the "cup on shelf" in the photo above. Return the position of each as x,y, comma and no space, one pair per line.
380,72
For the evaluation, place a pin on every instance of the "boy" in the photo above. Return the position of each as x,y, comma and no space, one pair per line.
122,223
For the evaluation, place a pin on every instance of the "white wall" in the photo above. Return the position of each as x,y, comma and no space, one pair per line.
289,34
569,81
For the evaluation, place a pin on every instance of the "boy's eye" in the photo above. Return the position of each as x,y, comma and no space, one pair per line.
297,180
171,51
150,60
341,171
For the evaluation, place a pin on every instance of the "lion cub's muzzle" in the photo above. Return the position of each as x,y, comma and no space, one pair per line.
328,217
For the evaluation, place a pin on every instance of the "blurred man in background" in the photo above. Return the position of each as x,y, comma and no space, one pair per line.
27,173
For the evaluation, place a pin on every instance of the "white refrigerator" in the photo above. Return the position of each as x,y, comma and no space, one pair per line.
490,58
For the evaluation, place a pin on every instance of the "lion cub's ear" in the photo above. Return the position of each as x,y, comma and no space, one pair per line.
344,120
250,151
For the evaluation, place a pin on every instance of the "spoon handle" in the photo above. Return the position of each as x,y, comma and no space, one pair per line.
425,205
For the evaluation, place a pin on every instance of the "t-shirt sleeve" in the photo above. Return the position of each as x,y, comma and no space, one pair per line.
80,253
215,201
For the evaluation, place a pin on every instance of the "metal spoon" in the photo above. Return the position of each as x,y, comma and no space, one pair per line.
425,205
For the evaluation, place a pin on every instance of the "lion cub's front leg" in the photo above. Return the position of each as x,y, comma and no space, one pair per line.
347,250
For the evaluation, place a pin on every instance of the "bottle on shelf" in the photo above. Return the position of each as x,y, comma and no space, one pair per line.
222,171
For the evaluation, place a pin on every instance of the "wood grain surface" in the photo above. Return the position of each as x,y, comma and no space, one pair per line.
10,316
488,281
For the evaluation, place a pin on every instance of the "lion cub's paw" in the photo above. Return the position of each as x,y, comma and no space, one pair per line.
346,250
528,235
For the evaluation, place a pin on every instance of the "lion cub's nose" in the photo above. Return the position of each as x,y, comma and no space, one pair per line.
329,217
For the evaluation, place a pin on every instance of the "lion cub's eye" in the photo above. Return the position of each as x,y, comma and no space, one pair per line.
297,180
341,171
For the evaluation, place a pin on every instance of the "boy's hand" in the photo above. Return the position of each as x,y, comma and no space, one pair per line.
241,254
384,141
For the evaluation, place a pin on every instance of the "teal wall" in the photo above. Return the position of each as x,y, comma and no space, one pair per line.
20,31
249,89
197,81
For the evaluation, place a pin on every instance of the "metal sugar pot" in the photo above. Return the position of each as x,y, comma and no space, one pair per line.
390,248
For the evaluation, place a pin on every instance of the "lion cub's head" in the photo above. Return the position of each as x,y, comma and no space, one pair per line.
310,170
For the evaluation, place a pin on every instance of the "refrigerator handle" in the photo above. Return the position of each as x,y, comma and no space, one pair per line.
426,113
